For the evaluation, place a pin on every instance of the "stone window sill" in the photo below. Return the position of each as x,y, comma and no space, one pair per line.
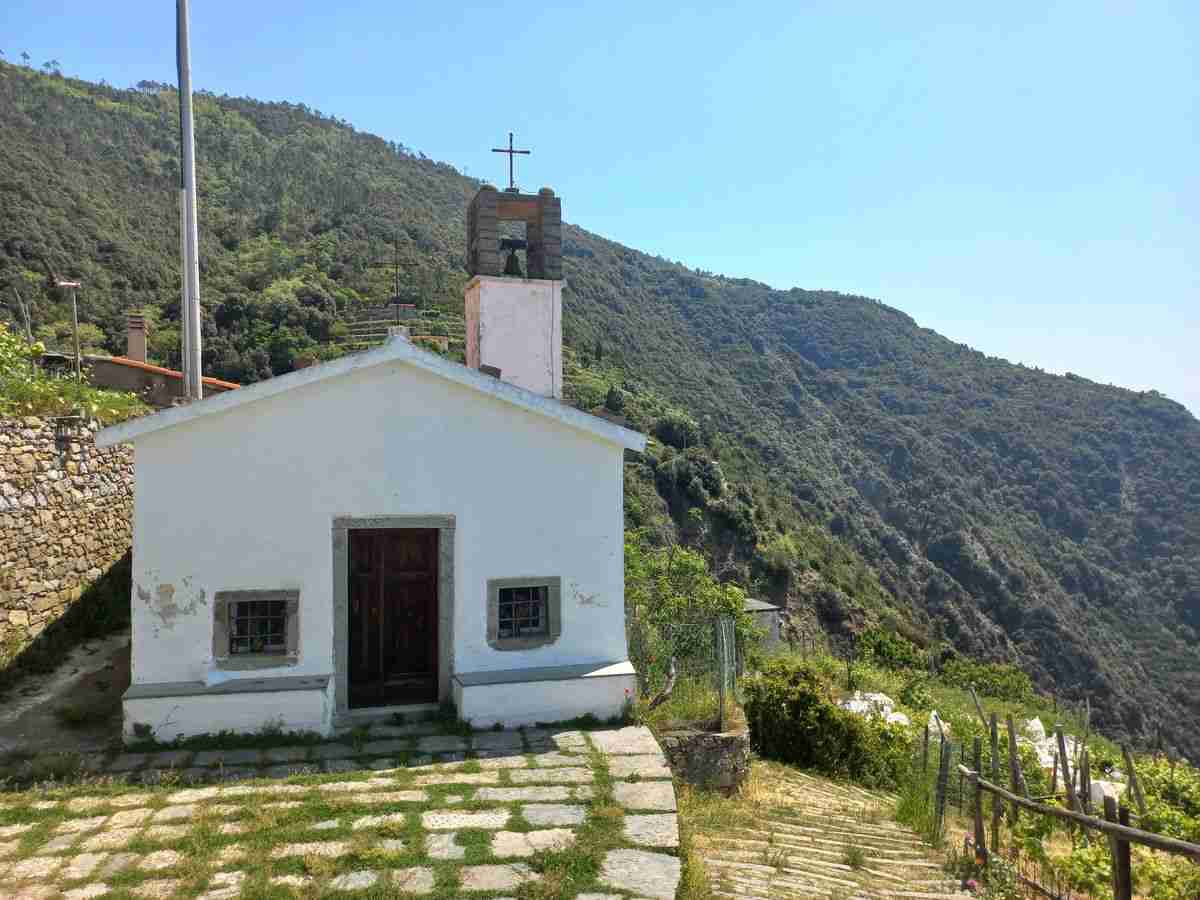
253,661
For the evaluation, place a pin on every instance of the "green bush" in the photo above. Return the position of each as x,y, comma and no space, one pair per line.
916,694
794,719
677,430
890,649
1000,680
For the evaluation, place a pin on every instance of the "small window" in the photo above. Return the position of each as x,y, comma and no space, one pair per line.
524,612
258,626
256,629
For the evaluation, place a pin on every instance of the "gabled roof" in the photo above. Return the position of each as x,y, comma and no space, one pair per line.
397,349
159,370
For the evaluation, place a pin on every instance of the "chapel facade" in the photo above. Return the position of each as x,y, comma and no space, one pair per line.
391,531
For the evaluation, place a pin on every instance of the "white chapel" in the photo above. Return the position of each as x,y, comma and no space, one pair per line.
389,531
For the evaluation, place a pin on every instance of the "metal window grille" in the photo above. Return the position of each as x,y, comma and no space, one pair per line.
523,612
258,626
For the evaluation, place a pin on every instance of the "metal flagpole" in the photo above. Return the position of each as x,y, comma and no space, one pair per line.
74,286
189,239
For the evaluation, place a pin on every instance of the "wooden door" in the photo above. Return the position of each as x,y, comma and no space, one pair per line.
393,616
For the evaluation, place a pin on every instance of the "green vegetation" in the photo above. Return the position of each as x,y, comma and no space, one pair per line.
821,450
25,390
793,718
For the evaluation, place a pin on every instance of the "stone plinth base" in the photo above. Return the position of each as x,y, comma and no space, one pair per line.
518,697
243,705
714,761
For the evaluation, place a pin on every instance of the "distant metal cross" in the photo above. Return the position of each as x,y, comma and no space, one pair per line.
512,185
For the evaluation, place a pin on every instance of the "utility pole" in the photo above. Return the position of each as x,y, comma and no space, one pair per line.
188,237
74,285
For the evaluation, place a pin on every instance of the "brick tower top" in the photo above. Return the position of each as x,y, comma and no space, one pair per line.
542,215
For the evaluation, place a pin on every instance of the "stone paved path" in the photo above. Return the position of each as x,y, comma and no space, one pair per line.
798,848
488,816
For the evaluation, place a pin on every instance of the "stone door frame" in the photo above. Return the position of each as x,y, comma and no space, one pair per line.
342,525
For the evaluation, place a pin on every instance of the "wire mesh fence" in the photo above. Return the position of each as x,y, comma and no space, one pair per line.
688,672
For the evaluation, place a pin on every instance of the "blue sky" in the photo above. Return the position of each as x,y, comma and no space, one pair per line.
1021,177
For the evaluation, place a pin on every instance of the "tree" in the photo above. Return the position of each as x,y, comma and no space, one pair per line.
52,67
25,58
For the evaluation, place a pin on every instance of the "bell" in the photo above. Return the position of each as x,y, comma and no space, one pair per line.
512,265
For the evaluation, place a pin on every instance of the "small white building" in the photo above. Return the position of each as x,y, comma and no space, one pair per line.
385,532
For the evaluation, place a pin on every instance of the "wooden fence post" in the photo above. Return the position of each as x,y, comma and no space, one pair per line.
996,805
977,790
1068,784
1054,776
1122,883
962,750
925,749
1125,860
1014,765
1135,786
980,838
943,779
1085,781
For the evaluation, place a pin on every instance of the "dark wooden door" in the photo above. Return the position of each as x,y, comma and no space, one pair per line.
393,616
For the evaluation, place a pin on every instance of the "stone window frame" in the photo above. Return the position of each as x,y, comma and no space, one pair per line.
240,662
553,584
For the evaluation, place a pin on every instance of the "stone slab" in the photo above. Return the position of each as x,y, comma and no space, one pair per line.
333,751
522,794
448,819
285,754
414,880
441,743
553,814
496,878
634,739
527,843
444,846
656,830
497,740
647,765
639,872
573,775
244,757
386,747
657,795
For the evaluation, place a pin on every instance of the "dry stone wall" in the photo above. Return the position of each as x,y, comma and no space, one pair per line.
65,514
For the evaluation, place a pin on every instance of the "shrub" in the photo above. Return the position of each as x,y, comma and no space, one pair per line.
1000,680
677,430
793,719
890,649
779,553
916,694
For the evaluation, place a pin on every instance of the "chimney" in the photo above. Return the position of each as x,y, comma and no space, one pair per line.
135,340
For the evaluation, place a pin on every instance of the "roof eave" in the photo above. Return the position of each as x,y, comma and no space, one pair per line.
396,349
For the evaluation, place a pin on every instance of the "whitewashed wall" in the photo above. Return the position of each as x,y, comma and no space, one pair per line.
515,324
245,500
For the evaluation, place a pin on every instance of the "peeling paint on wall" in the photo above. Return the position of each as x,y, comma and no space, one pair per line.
585,599
163,606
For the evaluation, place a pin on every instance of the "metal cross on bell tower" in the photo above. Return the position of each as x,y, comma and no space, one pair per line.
512,184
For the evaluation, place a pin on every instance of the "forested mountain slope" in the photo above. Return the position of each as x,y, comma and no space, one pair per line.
1046,520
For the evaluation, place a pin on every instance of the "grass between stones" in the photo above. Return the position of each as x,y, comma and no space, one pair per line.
243,830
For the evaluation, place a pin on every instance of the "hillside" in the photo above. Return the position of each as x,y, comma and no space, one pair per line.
846,460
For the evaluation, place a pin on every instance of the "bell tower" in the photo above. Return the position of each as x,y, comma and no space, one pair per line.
514,318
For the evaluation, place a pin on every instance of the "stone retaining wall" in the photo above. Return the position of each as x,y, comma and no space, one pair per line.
65,513
712,760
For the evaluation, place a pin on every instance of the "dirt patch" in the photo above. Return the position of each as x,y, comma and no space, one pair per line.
77,707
